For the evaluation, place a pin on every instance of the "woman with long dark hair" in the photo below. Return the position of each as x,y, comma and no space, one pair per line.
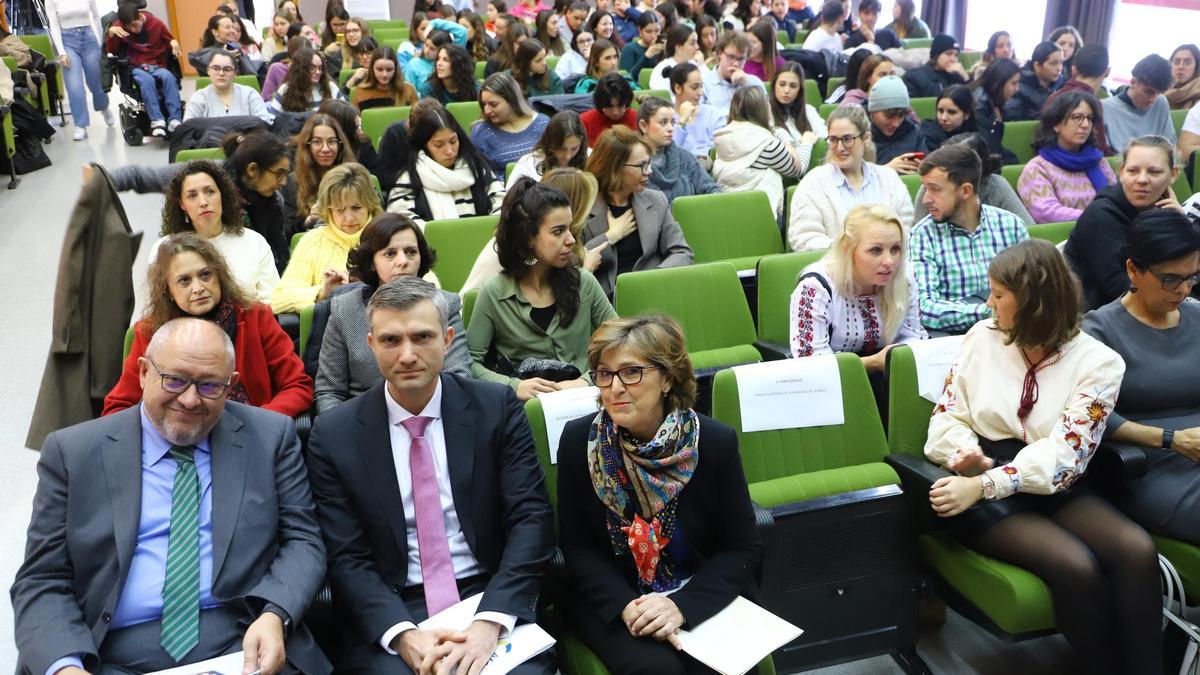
955,115
532,72
1040,77
453,75
998,84
306,86
1185,77
384,83
547,32
791,113
563,144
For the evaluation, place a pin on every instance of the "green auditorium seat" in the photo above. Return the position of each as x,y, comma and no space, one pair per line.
911,181
737,227
306,324
375,121
825,109
214,154
1177,118
468,300
777,276
1012,174
378,24
244,80
457,243
925,108
479,67
647,93
833,84
968,59
1018,137
466,112
917,43
812,93
1055,233
644,77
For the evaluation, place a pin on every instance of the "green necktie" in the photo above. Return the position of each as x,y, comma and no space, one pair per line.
181,588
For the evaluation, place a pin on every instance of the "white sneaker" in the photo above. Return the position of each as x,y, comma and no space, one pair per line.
158,129
109,118
173,125
80,134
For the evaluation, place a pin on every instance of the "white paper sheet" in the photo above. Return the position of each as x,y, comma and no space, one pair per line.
735,639
934,358
790,394
525,642
368,9
560,407
230,664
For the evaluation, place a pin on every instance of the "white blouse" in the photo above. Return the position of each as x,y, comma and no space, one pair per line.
1077,388
824,321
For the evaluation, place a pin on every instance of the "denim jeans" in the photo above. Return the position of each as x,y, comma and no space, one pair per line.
152,79
84,52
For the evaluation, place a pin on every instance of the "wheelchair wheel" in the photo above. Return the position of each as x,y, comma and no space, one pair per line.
131,127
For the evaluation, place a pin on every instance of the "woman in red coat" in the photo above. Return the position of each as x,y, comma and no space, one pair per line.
190,278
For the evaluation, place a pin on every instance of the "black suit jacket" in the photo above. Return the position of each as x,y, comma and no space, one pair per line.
499,494
714,511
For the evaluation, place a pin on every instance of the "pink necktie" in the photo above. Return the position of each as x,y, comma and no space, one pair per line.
437,569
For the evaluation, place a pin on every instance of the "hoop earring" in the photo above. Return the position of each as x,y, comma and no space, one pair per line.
531,261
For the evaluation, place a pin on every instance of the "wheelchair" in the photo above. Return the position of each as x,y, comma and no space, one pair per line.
135,123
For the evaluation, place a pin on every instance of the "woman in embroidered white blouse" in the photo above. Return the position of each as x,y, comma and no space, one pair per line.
1022,413
859,297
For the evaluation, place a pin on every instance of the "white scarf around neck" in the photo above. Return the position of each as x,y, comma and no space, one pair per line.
441,185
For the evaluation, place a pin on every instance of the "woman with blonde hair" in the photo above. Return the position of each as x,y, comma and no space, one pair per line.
346,202
859,297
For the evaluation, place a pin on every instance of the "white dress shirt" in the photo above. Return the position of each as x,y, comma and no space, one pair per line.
465,564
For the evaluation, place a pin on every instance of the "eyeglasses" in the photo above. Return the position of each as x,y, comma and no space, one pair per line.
845,140
324,143
1172,281
644,167
628,375
209,389
281,174
733,58
1079,118
221,70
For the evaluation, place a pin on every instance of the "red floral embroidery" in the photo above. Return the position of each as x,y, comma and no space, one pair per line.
804,321
872,338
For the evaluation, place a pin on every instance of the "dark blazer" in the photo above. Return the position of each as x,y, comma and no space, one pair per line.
714,511
499,494
663,244
86,513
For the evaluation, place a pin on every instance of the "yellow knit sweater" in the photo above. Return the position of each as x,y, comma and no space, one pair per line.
320,249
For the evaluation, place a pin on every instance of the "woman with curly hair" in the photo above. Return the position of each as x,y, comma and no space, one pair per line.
307,84
190,277
453,75
478,42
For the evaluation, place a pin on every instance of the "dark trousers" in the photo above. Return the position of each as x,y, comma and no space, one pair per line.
136,649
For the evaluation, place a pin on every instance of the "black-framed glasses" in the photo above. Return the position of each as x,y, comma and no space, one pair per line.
1078,119
628,375
222,70
845,139
644,167
1172,281
177,384
281,174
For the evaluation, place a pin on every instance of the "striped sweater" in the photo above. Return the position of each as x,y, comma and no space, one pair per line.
1054,195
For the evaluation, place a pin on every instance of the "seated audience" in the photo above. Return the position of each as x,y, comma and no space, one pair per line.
1068,171
898,140
683,45
562,144
1069,41
336,18
321,145
527,10
848,178
420,69
645,50
779,19
728,75
390,247
453,76
603,26
546,31
1089,68
999,46
1159,407
1185,78
636,467
573,65
189,277
873,69
202,198
306,86
905,22
510,127
277,71
383,85
1094,248
632,227
601,62
791,113
445,177
532,73
751,154
1039,79
506,54
825,36
542,306
414,46
764,60
998,84
275,41
867,32
953,246
409,440
224,97
955,115
675,172
146,41
994,190
1023,410
853,67
1141,109
708,32
611,100
859,298
625,17
695,120
943,69
346,202
570,21
479,43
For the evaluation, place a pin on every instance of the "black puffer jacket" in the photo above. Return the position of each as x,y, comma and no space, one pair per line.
1094,248
1028,102
908,138
927,81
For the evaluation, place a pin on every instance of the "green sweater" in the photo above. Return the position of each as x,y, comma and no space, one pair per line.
501,319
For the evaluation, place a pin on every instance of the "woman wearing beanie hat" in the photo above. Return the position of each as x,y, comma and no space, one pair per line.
898,140
943,69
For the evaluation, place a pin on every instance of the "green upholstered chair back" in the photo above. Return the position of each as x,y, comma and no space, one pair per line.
767,455
812,93
706,299
728,225
1177,118
825,109
214,154
390,33
375,121
306,325
777,275
1055,233
644,77
128,343
911,181
537,424
908,412
466,112
925,108
245,80
384,24
647,93
457,244
1018,137
479,67
917,43
1012,174
834,83
468,300
295,241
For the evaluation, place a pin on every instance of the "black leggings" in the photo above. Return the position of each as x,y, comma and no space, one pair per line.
1102,570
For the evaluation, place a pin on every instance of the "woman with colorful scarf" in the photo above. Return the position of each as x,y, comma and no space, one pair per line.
1068,171
655,520
189,277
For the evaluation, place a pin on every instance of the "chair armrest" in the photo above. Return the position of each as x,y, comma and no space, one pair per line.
916,475
1116,464
772,351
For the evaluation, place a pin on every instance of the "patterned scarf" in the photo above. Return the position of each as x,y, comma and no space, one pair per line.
225,315
640,483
